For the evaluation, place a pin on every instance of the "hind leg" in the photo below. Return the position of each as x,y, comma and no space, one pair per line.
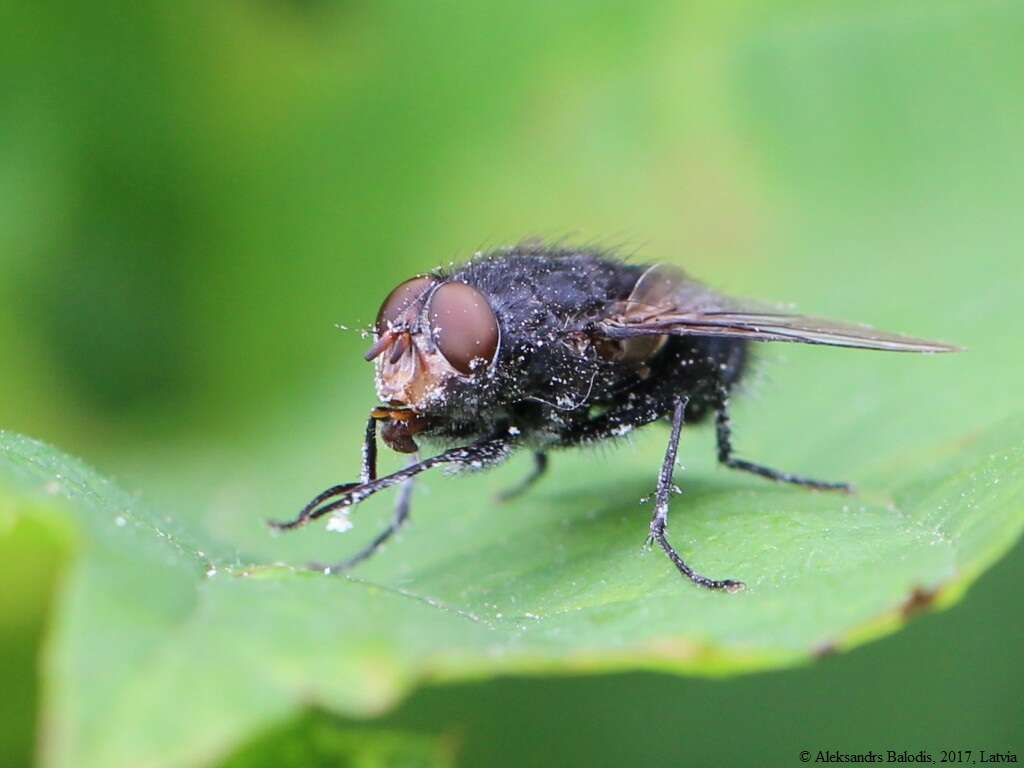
723,426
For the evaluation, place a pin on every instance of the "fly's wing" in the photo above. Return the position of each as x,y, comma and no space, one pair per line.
665,302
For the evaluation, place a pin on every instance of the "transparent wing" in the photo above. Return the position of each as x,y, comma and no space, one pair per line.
667,303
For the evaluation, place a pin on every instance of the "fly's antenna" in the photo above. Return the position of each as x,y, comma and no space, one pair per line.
385,341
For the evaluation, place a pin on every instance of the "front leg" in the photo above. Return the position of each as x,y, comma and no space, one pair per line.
723,426
659,522
367,472
475,456
398,519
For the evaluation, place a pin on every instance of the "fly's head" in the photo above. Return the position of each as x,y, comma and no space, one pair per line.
432,338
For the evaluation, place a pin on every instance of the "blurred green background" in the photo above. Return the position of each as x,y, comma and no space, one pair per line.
193,195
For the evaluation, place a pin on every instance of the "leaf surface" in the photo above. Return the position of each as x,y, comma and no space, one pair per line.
164,651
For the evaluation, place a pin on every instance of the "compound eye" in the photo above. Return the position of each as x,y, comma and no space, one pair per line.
398,303
464,326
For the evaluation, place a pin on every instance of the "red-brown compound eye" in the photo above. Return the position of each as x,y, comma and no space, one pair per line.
398,303
464,326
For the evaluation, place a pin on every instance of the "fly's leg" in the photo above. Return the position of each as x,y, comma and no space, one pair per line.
723,427
540,466
615,422
398,519
476,456
368,471
659,522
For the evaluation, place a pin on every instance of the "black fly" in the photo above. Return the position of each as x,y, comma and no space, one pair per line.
546,347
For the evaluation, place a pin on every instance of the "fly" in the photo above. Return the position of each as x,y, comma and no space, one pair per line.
543,348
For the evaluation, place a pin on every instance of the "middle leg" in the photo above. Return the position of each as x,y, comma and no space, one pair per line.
659,522
540,466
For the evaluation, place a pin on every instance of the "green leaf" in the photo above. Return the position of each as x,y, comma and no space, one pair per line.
166,651
883,184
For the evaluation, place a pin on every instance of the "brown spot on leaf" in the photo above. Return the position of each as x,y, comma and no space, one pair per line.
919,601
826,649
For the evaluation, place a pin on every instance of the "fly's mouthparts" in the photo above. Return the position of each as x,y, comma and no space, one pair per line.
393,413
398,425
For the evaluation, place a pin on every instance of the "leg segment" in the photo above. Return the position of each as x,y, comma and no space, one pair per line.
616,422
368,471
366,474
400,517
724,432
659,522
540,466
474,456
613,423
